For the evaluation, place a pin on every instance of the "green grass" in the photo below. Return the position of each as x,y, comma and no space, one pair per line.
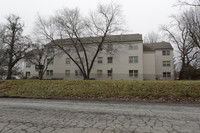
94,89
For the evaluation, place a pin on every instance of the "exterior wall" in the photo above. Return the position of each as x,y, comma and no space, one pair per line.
121,65
159,64
149,65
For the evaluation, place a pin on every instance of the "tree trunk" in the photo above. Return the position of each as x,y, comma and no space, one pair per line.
9,75
10,66
86,77
40,75
182,74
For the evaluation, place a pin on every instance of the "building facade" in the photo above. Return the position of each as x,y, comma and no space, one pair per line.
131,60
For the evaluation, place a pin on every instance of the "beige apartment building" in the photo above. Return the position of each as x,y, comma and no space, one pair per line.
131,60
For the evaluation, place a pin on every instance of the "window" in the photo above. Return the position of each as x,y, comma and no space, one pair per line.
166,63
133,46
133,59
67,72
50,50
99,60
78,73
50,61
110,47
39,67
49,72
165,52
28,65
67,60
110,59
99,73
130,73
79,60
101,49
80,48
109,72
166,74
28,74
133,73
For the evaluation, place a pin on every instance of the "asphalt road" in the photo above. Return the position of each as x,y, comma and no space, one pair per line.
64,116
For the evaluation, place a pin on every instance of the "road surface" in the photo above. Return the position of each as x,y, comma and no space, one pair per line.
65,116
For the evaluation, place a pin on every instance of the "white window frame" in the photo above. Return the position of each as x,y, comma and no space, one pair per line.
80,48
79,60
99,60
110,60
28,65
109,73
49,72
28,74
166,63
67,72
133,47
67,60
133,59
99,73
135,73
166,74
50,62
78,73
165,52
130,73
110,47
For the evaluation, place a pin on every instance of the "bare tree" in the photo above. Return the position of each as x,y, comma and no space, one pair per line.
179,35
192,22
2,62
3,53
95,29
41,56
189,3
152,37
15,44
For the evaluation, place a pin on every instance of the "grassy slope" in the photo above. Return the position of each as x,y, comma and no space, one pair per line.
103,90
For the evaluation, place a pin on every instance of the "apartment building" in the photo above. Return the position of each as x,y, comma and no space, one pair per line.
131,60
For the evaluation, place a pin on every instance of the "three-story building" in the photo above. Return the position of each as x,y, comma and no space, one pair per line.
130,59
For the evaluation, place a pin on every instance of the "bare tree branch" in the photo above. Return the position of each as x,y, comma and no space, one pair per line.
77,30
15,43
195,3
178,34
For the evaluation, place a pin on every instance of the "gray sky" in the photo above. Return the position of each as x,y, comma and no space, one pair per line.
141,16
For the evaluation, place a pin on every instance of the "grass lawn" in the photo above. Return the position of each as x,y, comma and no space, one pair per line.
120,90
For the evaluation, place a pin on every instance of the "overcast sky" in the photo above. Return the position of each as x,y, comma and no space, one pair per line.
141,16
